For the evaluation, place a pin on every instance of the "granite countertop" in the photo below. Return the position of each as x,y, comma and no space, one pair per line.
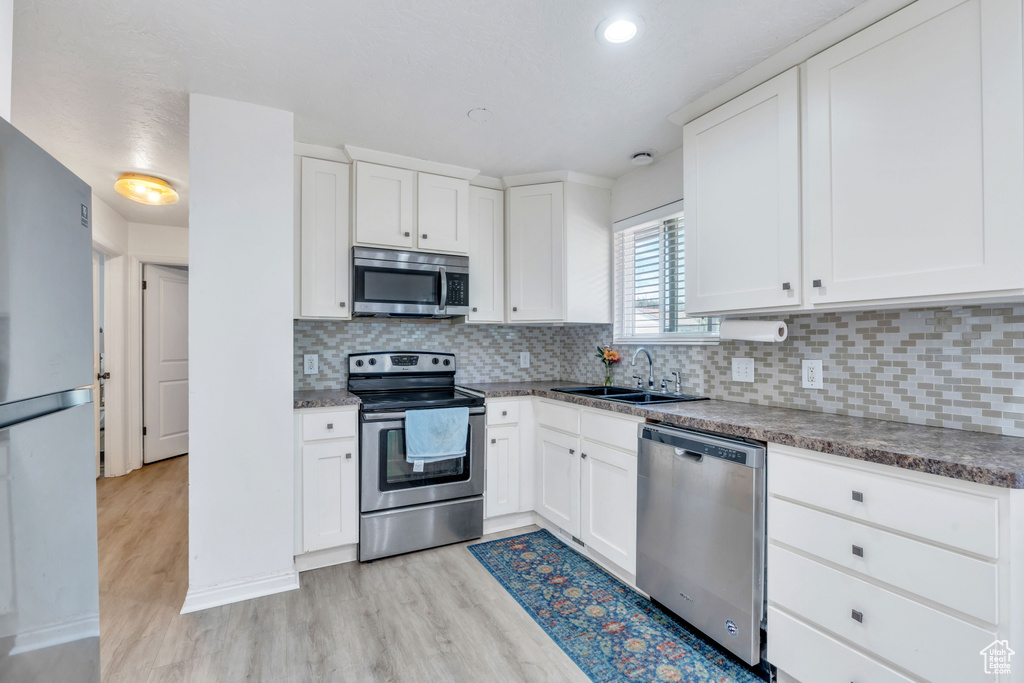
324,398
970,456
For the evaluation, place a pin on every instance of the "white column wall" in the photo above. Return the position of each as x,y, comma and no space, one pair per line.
6,55
240,348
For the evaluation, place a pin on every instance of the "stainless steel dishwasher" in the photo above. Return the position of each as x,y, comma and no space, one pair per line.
700,532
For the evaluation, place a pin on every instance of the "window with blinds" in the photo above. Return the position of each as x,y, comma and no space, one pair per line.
650,293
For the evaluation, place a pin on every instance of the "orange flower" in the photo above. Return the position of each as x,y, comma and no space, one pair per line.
612,355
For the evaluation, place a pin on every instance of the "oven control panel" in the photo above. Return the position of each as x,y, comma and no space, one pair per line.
399,362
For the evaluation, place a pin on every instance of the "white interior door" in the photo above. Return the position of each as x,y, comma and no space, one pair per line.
165,362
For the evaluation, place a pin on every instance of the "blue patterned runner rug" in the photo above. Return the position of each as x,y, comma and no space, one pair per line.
610,631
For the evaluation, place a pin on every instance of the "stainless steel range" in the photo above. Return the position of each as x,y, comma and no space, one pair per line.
403,509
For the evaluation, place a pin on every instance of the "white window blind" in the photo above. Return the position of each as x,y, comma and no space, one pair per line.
650,292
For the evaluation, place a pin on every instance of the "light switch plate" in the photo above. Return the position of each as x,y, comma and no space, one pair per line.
742,369
812,374
310,364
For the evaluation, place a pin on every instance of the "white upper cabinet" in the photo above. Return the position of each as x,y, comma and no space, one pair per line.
915,157
397,208
742,190
385,214
443,214
324,239
536,253
559,253
486,255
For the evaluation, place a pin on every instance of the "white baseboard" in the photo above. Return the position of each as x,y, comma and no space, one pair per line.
236,591
326,558
512,521
57,633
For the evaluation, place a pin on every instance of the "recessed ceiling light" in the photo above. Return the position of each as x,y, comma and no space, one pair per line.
643,157
619,29
146,189
480,115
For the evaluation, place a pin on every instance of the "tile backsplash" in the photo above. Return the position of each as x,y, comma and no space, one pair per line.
960,367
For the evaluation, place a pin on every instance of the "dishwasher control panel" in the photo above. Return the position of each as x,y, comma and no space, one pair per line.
695,444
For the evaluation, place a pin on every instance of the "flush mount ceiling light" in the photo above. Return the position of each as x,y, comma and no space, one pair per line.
146,189
642,158
480,115
619,29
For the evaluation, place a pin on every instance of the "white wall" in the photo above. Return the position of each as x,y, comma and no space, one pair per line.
240,352
6,55
649,187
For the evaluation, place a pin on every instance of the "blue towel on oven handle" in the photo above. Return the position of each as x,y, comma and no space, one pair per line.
435,434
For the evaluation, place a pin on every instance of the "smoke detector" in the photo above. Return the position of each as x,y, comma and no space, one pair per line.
642,158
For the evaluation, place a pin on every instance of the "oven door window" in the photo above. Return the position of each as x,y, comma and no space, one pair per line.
396,474
389,286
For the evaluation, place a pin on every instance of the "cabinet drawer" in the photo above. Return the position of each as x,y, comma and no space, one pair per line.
558,416
807,654
963,583
920,639
955,518
332,425
502,413
607,429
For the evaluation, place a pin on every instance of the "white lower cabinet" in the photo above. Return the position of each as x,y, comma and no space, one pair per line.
558,482
608,503
882,574
327,478
502,483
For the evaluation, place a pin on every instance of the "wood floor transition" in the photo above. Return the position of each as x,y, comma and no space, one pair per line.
436,615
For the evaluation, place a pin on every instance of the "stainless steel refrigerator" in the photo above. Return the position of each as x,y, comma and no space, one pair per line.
49,586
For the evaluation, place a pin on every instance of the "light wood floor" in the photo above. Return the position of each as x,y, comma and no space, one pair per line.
436,615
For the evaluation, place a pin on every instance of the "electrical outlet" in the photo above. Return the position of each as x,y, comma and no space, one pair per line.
812,374
742,369
310,364
524,359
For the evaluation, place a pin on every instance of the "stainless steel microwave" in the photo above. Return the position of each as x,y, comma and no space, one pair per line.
409,284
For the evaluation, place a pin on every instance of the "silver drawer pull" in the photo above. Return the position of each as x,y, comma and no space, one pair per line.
348,456
504,413
330,425
785,286
572,451
515,308
406,234
583,455
342,304
857,616
858,496
816,283
858,551
474,309
494,441
424,235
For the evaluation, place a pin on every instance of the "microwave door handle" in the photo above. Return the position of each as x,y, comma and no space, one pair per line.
444,287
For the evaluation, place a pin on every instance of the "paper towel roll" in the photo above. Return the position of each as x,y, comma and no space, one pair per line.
754,330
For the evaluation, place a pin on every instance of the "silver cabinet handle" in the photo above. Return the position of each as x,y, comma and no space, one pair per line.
330,425
785,286
572,451
504,413
494,441
857,616
424,235
406,234
348,456
583,455
858,496
474,309
342,304
858,551
816,283
515,308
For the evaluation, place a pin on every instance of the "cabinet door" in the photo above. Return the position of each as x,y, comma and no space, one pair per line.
325,240
536,253
742,189
330,494
558,479
443,214
486,255
385,211
608,499
502,487
915,157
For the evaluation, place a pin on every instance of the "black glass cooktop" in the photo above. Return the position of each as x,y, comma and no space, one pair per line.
425,398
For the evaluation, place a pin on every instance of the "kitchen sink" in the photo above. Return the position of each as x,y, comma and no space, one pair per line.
631,396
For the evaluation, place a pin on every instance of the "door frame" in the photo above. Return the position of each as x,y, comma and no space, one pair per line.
114,324
135,369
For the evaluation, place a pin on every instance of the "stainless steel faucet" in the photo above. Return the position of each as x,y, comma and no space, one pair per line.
650,373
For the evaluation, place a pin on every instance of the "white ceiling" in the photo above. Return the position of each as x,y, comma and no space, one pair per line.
104,85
